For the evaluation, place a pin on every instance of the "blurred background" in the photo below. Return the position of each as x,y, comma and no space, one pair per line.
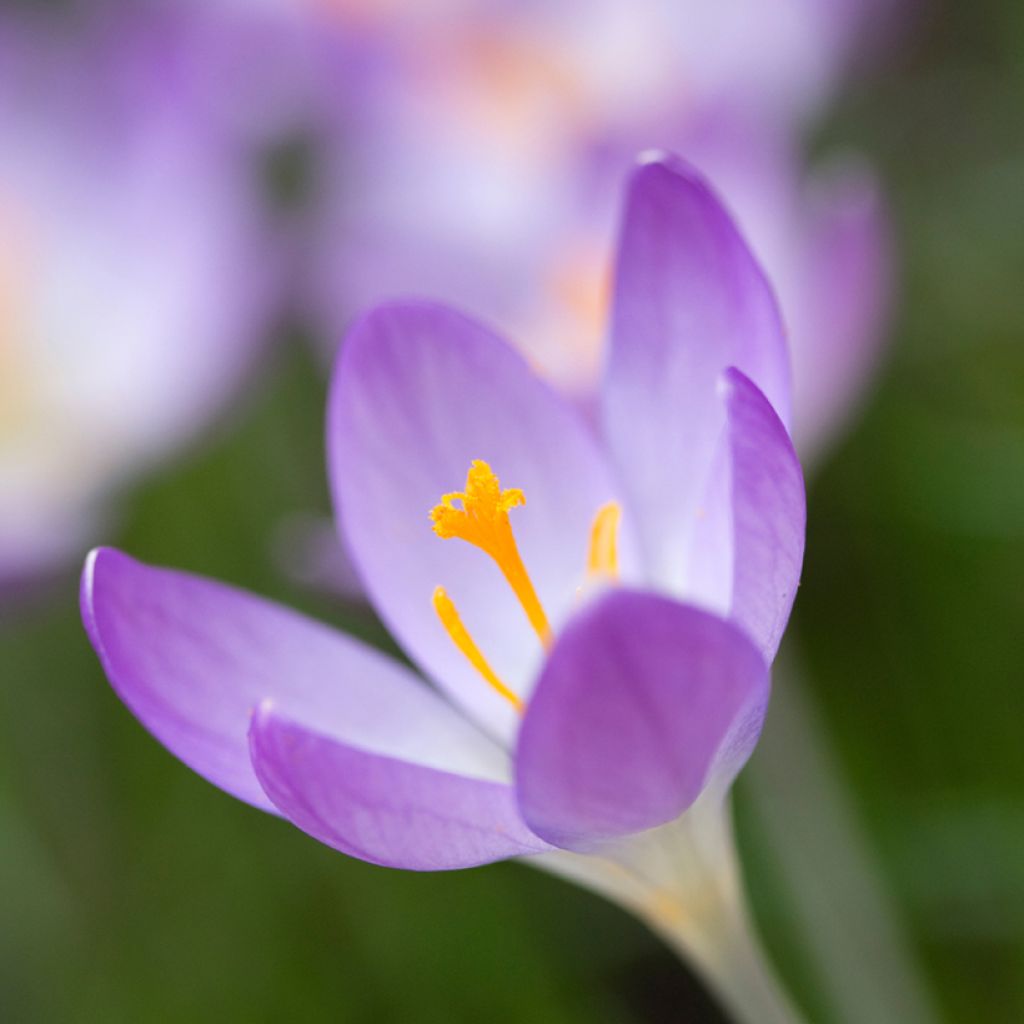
196,198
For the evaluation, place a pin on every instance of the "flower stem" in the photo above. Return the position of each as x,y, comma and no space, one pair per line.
683,881
730,959
712,929
851,933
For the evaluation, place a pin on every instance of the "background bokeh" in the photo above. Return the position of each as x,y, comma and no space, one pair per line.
131,890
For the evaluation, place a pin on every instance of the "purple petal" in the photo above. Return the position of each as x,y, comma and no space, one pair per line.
690,301
748,543
838,323
382,809
192,658
147,272
640,702
769,514
420,391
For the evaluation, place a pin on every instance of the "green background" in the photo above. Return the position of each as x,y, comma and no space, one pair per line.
131,890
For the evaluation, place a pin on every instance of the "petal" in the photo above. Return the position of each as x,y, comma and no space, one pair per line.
748,546
641,701
690,301
843,300
420,391
192,658
769,510
383,809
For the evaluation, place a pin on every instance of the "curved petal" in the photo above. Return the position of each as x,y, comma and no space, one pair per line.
641,701
383,809
844,297
192,658
769,510
690,300
748,545
419,392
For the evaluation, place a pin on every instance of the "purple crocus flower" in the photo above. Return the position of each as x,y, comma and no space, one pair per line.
599,631
488,141
137,278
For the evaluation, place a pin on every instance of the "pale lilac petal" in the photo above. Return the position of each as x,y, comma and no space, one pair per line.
748,543
642,700
838,324
769,514
193,658
139,273
690,301
383,809
420,391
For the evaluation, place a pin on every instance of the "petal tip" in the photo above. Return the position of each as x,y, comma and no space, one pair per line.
654,155
385,324
383,313
89,571
97,561
262,720
734,385
93,558
728,380
262,716
670,168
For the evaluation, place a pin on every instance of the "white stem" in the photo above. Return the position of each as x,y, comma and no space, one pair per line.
730,959
850,929
683,880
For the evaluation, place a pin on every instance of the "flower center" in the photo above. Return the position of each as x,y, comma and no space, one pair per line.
479,515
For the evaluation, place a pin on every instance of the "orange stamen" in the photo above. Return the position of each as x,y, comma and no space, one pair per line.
451,621
603,557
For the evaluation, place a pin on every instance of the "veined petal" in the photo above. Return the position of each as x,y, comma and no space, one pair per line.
193,658
384,809
690,300
641,701
769,511
420,391
749,543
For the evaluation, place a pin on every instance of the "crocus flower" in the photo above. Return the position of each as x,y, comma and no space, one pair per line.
135,283
597,618
483,162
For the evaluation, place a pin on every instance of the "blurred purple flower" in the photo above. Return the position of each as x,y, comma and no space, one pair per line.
480,160
645,646
136,281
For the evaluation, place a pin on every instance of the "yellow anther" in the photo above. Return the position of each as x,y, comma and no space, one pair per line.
481,518
484,507
603,558
451,621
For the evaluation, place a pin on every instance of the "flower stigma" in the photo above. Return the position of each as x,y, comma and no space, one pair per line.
482,519
479,516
